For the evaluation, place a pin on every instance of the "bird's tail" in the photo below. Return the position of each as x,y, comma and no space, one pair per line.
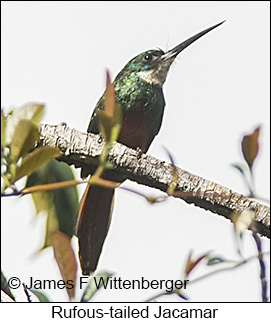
92,225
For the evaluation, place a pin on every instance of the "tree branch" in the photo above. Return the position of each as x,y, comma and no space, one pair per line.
83,150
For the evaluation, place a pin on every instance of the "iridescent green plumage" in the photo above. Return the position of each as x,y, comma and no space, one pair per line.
131,90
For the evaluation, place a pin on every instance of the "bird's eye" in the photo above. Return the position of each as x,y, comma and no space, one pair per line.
148,57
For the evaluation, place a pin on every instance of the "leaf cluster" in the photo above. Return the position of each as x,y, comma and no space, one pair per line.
51,183
19,136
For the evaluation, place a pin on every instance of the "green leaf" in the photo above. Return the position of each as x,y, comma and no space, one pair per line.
60,205
24,138
44,202
117,122
35,160
111,117
41,296
66,199
32,112
215,260
105,124
94,284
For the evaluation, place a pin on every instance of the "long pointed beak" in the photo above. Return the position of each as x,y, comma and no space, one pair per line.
176,50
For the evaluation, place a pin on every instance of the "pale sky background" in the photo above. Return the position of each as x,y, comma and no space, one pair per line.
217,90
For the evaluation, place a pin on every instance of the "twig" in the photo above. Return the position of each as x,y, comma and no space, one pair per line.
238,264
262,267
27,293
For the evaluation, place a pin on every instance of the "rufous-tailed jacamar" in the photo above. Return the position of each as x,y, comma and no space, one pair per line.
138,90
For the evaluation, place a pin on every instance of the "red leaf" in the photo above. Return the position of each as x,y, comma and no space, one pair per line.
65,259
109,96
250,147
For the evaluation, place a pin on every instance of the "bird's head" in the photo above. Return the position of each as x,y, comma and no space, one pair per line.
153,65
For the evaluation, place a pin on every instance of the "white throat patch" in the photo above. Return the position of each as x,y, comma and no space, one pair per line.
156,76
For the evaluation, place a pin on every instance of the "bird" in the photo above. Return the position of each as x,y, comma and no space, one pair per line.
139,92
